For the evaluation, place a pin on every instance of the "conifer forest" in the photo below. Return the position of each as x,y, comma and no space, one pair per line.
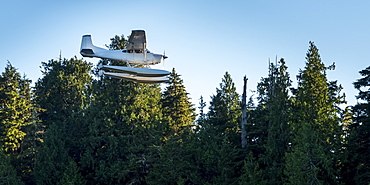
76,126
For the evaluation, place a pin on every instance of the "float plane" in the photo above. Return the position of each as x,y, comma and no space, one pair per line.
134,55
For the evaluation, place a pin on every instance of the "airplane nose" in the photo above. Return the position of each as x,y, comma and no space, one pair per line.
164,56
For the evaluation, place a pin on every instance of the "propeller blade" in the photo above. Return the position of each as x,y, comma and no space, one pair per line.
164,54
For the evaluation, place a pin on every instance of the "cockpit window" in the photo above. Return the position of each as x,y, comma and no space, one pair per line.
124,51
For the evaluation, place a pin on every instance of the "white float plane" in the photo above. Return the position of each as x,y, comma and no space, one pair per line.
135,54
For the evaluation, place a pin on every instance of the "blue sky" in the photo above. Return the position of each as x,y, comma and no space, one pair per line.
203,39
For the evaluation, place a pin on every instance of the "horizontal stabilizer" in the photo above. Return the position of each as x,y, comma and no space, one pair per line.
138,71
138,79
87,51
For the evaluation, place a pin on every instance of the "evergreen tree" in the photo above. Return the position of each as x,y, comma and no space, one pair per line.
63,93
19,124
176,104
217,137
225,111
177,162
279,111
175,155
268,129
8,174
251,171
124,128
315,125
63,89
15,109
52,158
356,166
71,175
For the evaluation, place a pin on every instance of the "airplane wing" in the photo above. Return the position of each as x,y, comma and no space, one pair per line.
137,40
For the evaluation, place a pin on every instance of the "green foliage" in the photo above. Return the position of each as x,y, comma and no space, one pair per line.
63,92
202,105
19,124
218,139
356,165
75,129
225,111
15,109
177,162
124,126
274,97
176,104
174,165
315,128
268,130
118,42
52,159
8,174
71,175
251,171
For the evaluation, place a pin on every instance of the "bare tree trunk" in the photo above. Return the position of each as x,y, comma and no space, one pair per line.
244,113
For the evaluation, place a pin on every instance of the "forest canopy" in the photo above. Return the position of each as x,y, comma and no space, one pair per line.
76,126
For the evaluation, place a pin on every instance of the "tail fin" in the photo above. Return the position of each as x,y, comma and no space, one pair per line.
87,47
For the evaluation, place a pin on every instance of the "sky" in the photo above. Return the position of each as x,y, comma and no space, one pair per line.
203,39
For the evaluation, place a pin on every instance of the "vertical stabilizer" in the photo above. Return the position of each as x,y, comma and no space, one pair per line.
87,47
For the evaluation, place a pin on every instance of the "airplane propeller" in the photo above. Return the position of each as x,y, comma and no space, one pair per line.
164,56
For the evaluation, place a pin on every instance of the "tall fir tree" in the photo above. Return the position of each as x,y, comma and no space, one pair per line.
173,164
356,168
315,125
279,113
225,110
16,109
19,123
269,129
176,104
218,137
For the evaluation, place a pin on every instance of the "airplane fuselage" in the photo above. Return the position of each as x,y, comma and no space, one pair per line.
125,56
131,56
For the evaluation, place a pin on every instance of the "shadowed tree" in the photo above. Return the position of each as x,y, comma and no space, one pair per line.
356,168
8,174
